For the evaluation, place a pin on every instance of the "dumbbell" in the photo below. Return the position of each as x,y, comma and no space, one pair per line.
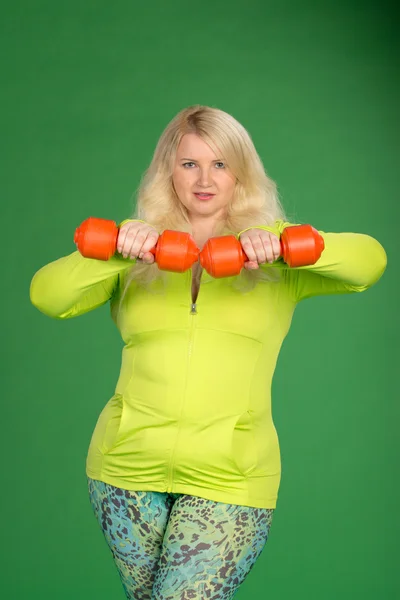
175,250
224,256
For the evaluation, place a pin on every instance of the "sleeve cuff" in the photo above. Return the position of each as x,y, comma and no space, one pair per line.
277,228
127,221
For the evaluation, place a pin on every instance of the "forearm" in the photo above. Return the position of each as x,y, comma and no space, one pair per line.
73,285
350,262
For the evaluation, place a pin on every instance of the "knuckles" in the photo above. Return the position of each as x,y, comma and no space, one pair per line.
144,238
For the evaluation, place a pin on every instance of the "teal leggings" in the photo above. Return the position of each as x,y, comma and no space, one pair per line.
178,547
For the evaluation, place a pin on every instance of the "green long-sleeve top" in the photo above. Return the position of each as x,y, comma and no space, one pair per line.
191,412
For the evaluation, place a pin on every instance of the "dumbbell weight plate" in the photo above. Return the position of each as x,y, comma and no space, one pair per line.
175,251
222,256
301,245
97,238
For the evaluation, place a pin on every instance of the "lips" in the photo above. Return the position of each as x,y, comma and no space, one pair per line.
202,196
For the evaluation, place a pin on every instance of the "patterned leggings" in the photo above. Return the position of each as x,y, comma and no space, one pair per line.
178,547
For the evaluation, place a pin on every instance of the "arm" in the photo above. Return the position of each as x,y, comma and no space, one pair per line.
73,285
350,262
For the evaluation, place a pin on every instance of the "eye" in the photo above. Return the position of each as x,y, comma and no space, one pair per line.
192,163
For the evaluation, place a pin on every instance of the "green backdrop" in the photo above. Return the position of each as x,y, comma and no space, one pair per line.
87,88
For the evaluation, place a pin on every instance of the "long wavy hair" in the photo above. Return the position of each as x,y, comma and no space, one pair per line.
255,200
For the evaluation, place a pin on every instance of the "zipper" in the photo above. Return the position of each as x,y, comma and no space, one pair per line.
192,323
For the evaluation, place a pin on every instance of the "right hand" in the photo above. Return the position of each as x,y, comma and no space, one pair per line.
135,239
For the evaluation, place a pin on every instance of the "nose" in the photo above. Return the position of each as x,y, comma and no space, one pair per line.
205,179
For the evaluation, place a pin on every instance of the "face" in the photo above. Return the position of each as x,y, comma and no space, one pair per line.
201,179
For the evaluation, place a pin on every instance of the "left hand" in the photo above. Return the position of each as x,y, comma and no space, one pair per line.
260,246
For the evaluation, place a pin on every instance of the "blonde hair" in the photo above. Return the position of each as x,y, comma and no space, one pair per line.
255,200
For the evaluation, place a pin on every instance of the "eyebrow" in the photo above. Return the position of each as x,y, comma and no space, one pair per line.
193,160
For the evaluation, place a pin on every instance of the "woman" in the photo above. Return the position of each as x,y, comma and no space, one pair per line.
184,464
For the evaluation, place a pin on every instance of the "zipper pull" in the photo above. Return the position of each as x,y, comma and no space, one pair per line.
193,310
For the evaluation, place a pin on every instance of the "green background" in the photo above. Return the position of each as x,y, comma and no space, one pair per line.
87,88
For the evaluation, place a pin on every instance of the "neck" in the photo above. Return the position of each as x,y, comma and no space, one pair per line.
203,231
204,227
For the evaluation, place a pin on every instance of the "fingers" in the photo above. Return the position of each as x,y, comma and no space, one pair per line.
260,246
135,240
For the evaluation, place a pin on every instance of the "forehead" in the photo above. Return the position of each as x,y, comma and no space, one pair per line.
192,146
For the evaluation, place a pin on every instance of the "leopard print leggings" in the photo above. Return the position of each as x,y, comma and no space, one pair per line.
170,546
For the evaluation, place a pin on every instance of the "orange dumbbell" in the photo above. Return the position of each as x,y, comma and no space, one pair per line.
175,251
224,256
